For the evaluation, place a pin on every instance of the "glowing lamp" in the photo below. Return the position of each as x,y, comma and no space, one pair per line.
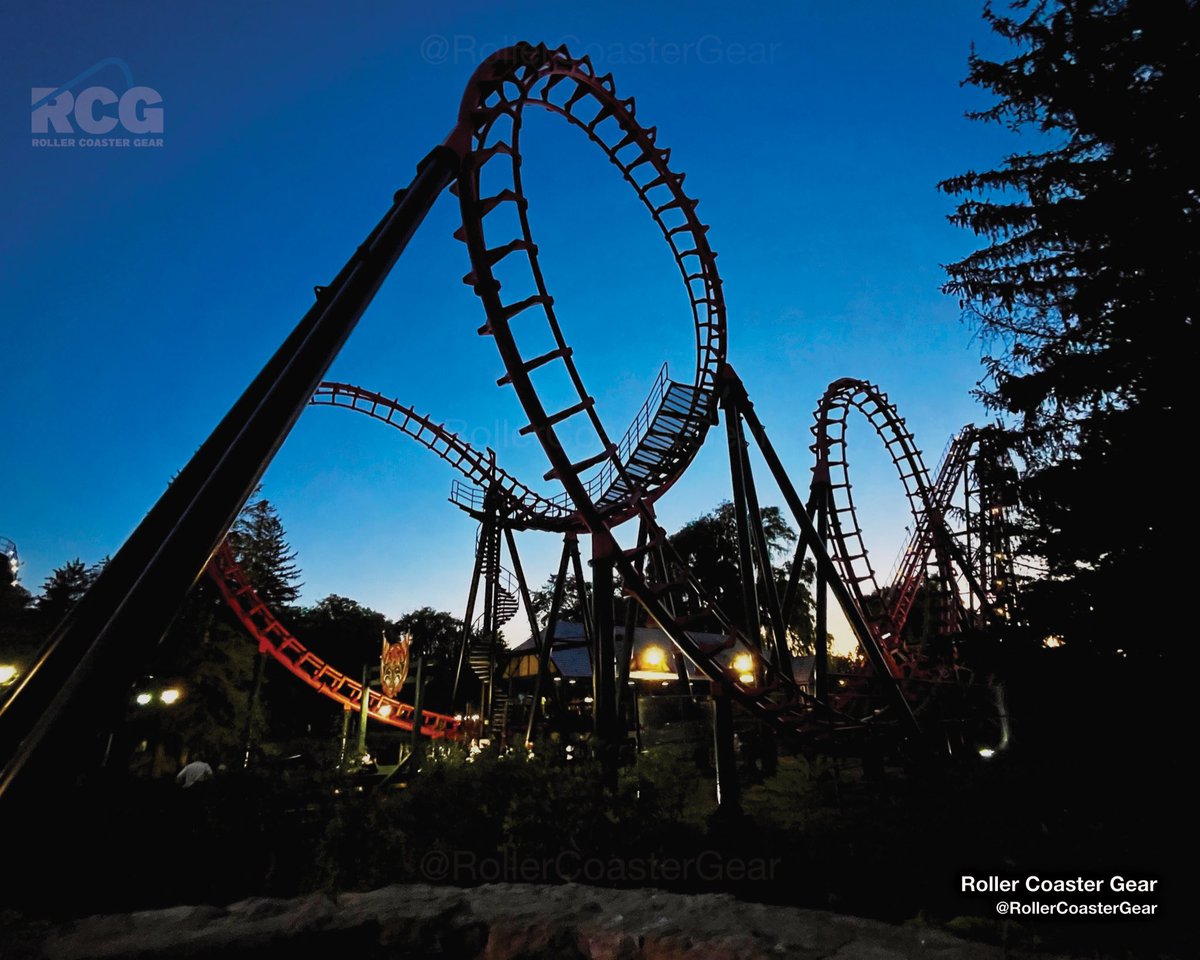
654,658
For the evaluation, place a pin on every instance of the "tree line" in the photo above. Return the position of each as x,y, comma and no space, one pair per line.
206,653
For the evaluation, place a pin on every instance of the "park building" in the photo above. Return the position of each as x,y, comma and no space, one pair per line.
666,702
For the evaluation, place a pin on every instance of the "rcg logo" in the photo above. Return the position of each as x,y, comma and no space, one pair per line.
97,116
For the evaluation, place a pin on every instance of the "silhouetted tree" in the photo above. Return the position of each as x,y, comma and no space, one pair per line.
209,654
437,636
709,547
435,633
572,610
343,631
261,547
64,588
1085,293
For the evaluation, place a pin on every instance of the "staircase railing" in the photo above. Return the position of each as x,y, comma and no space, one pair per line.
470,496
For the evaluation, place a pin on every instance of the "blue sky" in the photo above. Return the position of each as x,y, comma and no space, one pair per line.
145,287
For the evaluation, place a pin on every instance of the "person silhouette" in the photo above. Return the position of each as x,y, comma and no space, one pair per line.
194,772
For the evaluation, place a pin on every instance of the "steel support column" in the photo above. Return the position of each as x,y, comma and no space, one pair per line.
728,789
417,742
547,644
527,603
631,609
585,603
821,640
469,618
824,562
96,651
604,661
363,710
750,608
491,583
783,656
255,692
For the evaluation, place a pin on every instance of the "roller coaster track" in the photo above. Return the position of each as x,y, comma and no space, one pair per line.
275,639
622,480
846,535
632,474
611,482
662,427
931,545
477,467
525,506
886,611
928,533
499,91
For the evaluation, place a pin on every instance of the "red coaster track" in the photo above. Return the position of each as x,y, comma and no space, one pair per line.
134,599
671,426
275,638
622,480
886,610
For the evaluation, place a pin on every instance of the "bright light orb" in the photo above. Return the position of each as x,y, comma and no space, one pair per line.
170,695
654,658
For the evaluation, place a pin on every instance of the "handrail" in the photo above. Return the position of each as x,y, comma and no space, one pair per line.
903,552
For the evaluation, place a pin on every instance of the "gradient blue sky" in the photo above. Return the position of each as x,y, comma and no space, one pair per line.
144,288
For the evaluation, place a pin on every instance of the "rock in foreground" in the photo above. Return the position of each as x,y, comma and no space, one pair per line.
499,922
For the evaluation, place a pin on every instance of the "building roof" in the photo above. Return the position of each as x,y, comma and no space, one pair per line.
571,656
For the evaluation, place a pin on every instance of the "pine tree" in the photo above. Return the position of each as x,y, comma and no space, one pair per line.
64,588
211,656
261,547
1085,294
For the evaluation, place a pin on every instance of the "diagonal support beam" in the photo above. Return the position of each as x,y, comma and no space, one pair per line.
96,651
824,561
